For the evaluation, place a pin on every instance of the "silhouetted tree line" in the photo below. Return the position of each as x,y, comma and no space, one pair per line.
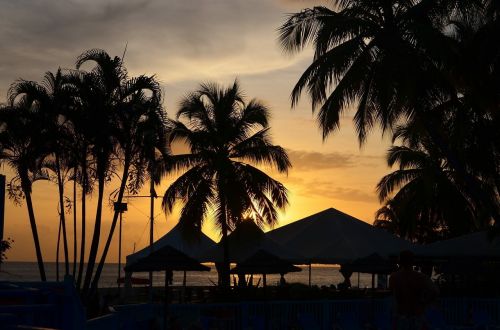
428,73
82,128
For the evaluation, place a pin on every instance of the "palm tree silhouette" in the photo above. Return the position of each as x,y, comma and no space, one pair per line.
100,94
141,122
81,120
373,55
424,195
50,97
225,136
23,148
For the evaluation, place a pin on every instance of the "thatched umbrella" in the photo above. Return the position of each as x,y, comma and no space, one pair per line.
263,262
371,264
168,259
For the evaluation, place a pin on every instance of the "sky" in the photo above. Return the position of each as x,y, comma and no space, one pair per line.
185,43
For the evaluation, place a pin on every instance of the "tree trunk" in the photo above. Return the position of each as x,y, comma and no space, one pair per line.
82,243
58,245
123,185
94,245
60,185
225,273
224,276
74,228
27,192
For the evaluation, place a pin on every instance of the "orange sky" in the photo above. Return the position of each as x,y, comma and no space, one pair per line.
184,44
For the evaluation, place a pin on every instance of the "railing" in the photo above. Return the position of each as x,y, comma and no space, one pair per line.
322,314
350,314
47,304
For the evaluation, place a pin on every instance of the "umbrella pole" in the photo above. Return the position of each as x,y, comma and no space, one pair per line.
151,232
184,287
119,252
165,316
358,280
309,274
373,281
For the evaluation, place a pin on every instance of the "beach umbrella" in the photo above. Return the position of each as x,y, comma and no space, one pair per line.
263,262
372,264
168,259
245,240
175,238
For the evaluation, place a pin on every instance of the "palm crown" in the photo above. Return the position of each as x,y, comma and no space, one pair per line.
225,136
374,55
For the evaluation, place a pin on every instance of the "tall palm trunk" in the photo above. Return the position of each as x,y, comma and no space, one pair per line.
26,186
123,184
82,243
94,245
74,227
225,274
225,278
60,185
58,245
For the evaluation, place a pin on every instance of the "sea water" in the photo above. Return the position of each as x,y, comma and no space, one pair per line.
320,275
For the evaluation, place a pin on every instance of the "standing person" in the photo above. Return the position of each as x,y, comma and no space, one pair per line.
413,292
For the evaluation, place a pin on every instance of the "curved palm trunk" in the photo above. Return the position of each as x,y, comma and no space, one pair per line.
82,243
74,228
27,193
62,216
123,184
94,245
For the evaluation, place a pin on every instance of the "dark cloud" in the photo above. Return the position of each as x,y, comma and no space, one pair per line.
180,40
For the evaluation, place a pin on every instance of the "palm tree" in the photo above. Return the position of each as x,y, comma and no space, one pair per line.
99,96
22,144
139,116
81,120
379,56
399,218
424,195
225,136
50,97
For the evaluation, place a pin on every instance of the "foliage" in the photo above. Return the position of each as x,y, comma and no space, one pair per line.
5,245
226,137
428,73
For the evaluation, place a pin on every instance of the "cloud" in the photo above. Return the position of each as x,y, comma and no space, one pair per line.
316,161
329,190
179,40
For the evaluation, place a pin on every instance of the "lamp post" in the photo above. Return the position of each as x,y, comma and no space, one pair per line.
120,207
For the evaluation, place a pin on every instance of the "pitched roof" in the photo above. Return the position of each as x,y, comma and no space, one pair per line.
332,236
246,240
175,238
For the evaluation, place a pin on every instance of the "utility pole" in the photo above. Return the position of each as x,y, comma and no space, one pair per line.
152,196
120,207
2,205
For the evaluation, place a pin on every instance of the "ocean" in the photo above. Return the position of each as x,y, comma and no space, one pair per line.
320,275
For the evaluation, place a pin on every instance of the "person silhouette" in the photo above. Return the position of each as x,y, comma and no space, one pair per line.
413,292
